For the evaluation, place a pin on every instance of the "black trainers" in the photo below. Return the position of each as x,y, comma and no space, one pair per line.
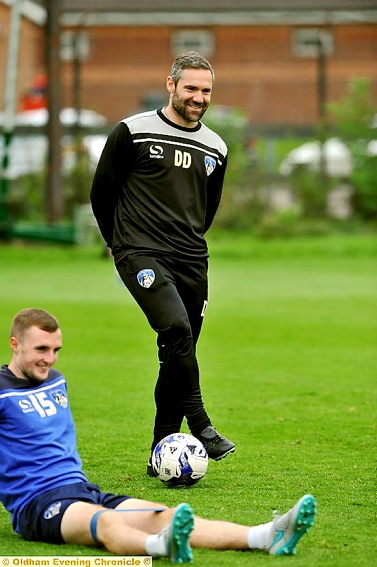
217,446
150,469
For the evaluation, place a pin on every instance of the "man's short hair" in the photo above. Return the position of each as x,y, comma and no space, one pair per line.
189,60
32,317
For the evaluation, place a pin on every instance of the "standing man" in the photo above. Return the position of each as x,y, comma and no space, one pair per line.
155,193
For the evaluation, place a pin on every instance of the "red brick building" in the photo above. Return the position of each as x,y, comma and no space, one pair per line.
265,54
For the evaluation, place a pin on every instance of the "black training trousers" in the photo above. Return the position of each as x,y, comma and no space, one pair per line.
173,296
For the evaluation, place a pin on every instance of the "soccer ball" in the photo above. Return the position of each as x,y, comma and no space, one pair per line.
180,459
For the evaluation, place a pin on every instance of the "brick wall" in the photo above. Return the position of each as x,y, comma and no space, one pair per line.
255,70
254,65
31,54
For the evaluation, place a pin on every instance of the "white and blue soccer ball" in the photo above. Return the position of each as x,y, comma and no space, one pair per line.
179,460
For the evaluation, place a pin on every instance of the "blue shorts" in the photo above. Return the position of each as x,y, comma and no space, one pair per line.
41,519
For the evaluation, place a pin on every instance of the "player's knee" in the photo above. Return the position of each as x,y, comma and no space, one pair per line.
106,527
178,338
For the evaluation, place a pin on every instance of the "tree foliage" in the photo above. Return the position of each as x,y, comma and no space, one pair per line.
355,119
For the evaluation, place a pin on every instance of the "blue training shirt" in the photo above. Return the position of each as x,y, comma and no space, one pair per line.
37,439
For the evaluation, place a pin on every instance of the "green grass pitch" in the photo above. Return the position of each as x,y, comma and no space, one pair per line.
288,360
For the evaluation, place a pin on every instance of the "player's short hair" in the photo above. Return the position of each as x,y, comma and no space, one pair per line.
32,317
189,60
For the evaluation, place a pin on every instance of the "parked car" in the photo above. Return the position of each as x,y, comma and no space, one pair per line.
28,151
334,153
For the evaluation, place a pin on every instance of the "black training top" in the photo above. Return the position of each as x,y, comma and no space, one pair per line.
158,185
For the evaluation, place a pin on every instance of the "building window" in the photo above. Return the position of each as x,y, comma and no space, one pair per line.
307,42
201,41
74,45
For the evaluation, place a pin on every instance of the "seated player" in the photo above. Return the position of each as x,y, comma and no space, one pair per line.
49,498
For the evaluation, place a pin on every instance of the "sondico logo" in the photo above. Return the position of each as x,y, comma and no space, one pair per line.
156,152
182,159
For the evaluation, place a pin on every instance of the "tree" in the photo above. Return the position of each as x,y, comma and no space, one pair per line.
354,117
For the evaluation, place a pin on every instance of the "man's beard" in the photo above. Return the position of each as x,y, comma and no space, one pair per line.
183,109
